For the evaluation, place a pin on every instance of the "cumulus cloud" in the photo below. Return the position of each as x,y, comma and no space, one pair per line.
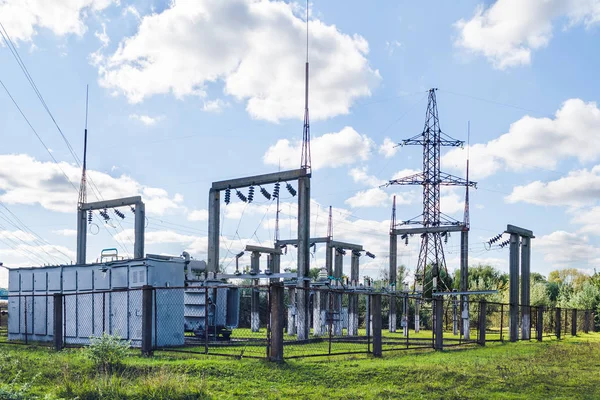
579,187
146,119
536,142
565,248
214,106
24,18
360,175
374,197
388,148
25,180
66,232
451,202
198,215
332,150
255,48
508,31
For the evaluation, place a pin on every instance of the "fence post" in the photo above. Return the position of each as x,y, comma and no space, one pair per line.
438,326
586,321
376,316
276,298
147,320
57,328
574,322
540,323
482,321
593,321
558,318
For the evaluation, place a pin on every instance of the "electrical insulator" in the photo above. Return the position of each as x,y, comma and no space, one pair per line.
290,189
241,196
132,209
250,194
104,215
276,190
446,239
264,192
90,216
227,196
120,214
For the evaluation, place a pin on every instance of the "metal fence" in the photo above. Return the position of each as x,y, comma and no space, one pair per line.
258,321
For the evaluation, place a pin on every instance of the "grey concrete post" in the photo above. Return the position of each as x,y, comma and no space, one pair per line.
376,317
525,288
513,322
140,223
255,298
302,294
438,322
482,321
393,280
147,315
455,324
329,260
405,315
557,319
81,236
353,298
337,297
214,212
291,321
57,328
540,323
276,299
574,322
417,317
464,284
318,313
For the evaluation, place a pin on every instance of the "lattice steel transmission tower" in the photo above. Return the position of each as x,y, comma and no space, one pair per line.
431,254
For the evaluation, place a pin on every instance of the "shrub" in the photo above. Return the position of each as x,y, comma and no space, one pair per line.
107,352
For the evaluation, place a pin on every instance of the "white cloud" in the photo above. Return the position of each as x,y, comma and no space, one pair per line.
388,148
329,150
403,173
24,18
66,232
24,180
564,248
214,106
359,175
198,215
536,142
374,197
255,48
508,31
21,236
146,119
451,202
156,237
580,187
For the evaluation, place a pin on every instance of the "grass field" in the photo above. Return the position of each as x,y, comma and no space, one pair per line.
566,369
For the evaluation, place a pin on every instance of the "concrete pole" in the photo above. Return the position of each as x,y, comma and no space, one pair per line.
525,288
393,280
140,223
482,321
291,322
255,298
303,285
438,322
329,260
214,211
417,319
276,299
353,298
513,322
464,284
376,316
57,328
405,316
147,315
337,297
81,236
455,324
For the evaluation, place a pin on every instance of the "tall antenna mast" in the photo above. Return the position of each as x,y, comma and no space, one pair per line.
83,184
305,158
466,219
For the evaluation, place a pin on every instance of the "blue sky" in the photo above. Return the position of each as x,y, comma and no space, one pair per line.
186,93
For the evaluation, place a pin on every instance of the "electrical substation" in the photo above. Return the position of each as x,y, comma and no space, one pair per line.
176,303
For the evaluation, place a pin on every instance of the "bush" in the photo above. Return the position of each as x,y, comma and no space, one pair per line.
107,352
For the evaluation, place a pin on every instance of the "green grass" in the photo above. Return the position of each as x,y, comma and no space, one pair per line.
565,369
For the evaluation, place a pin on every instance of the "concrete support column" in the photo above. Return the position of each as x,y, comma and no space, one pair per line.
464,284
303,284
140,223
513,322
482,321
276,299
353,298
525,288
438,322
291,321
393,273
147,315
338,271
376,317
319,313
57,326
81,236
255,298
214,212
